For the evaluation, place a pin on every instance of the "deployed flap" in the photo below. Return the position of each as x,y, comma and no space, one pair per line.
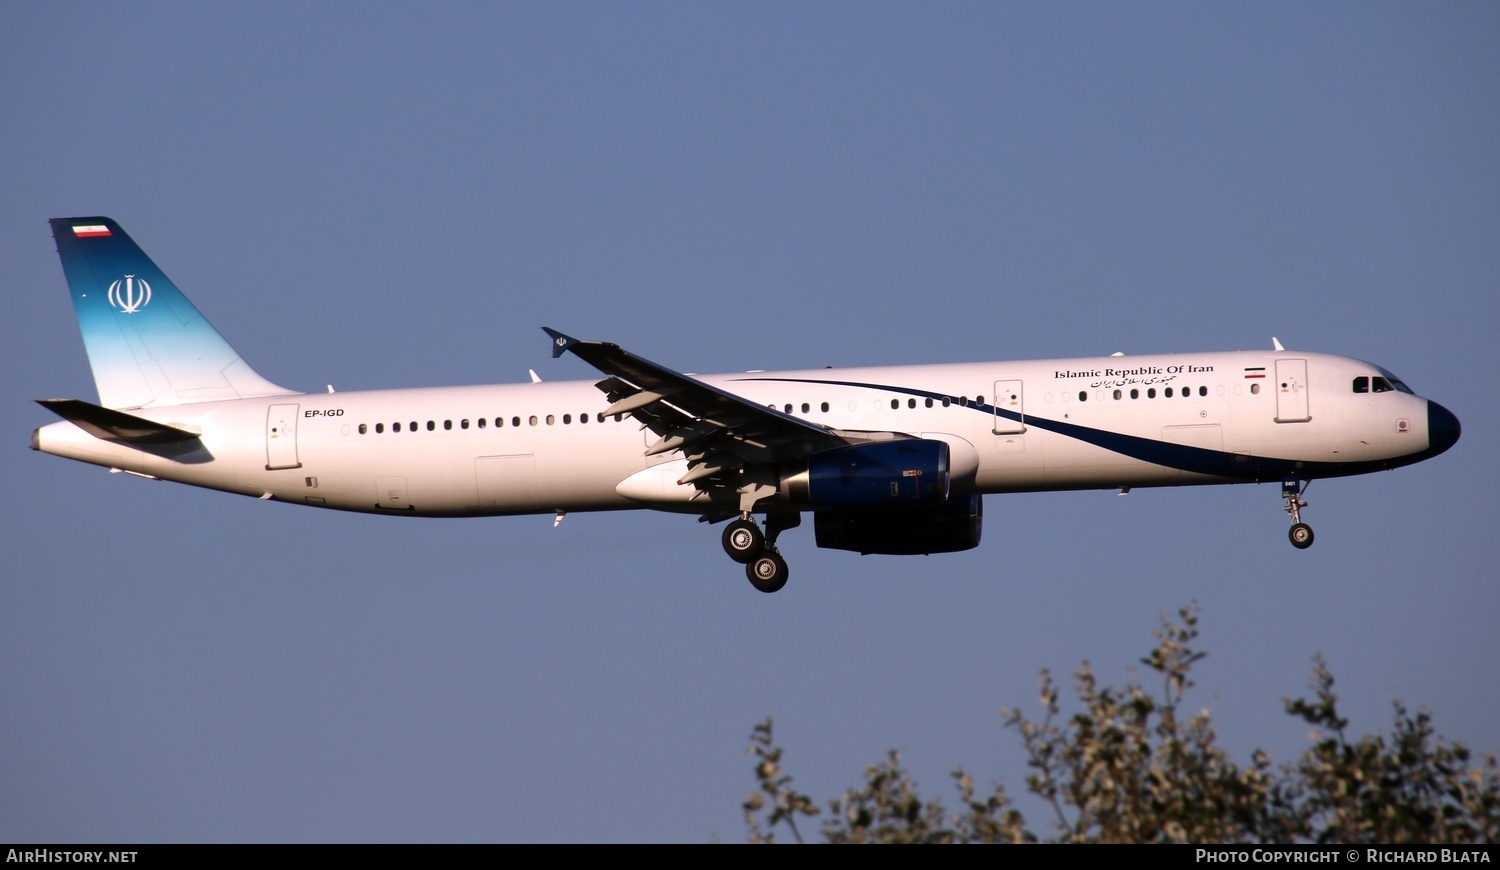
717,430
108,425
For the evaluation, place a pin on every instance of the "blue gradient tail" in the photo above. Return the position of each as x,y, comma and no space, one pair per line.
147,344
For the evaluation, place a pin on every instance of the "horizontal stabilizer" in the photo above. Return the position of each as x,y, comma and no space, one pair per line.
109,425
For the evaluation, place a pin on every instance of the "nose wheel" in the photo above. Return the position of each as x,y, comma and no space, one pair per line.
745,543
1300,534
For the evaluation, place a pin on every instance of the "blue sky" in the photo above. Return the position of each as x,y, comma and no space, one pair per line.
378,194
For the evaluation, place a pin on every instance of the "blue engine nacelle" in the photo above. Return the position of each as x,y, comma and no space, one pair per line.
943,528
912,471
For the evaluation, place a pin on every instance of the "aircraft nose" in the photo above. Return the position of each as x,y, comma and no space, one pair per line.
1442,428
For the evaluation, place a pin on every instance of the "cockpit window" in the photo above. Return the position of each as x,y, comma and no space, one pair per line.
1378,384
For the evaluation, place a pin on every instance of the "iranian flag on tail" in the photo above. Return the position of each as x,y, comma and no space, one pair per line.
89,231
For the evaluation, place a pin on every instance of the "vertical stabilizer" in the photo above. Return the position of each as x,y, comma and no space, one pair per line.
147,344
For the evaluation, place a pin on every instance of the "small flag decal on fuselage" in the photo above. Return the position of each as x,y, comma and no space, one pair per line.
1255,372
90,231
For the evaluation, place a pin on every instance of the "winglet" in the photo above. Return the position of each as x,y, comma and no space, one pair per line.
560,343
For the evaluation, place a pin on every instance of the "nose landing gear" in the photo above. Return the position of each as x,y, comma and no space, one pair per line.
756,550
1301,534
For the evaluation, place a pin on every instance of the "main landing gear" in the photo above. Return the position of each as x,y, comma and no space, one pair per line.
756,550
1300,533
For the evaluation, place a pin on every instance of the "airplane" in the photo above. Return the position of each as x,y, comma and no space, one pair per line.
890,460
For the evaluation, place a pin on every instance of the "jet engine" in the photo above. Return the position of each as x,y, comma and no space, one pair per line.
910,471
941,528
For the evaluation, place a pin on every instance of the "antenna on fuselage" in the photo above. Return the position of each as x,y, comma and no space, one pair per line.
1276,343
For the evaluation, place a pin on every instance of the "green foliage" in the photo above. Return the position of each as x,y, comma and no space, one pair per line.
1412,787
1129,767
776,798
886,809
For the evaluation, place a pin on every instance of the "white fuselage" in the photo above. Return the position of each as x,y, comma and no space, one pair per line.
1106,422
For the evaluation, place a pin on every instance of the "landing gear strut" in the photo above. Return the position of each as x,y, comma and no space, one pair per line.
756,550
1301,534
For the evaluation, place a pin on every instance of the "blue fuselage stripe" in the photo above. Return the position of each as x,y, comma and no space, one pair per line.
1196,460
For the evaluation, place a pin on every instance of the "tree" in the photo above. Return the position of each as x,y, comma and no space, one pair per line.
1128,767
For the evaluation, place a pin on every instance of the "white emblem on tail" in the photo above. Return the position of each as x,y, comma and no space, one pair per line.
129,294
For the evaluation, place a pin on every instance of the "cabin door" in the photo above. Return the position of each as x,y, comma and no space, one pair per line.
1291,391
281,437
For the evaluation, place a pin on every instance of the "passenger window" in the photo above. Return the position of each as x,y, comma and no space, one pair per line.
463,424
895,403
583,418
1135,394
1118,395
532,420
414,426
431,426
825,407
551,419
447,424
1361,384
1151,393
362,429
1083,396
806,407
928,402
514,421
379,428
1203,391
1255,389
395,427
1167,392
947,401
911,403
567,418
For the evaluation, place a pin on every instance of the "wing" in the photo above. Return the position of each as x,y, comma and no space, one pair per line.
722,435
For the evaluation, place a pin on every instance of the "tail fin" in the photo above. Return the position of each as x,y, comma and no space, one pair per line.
146,342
